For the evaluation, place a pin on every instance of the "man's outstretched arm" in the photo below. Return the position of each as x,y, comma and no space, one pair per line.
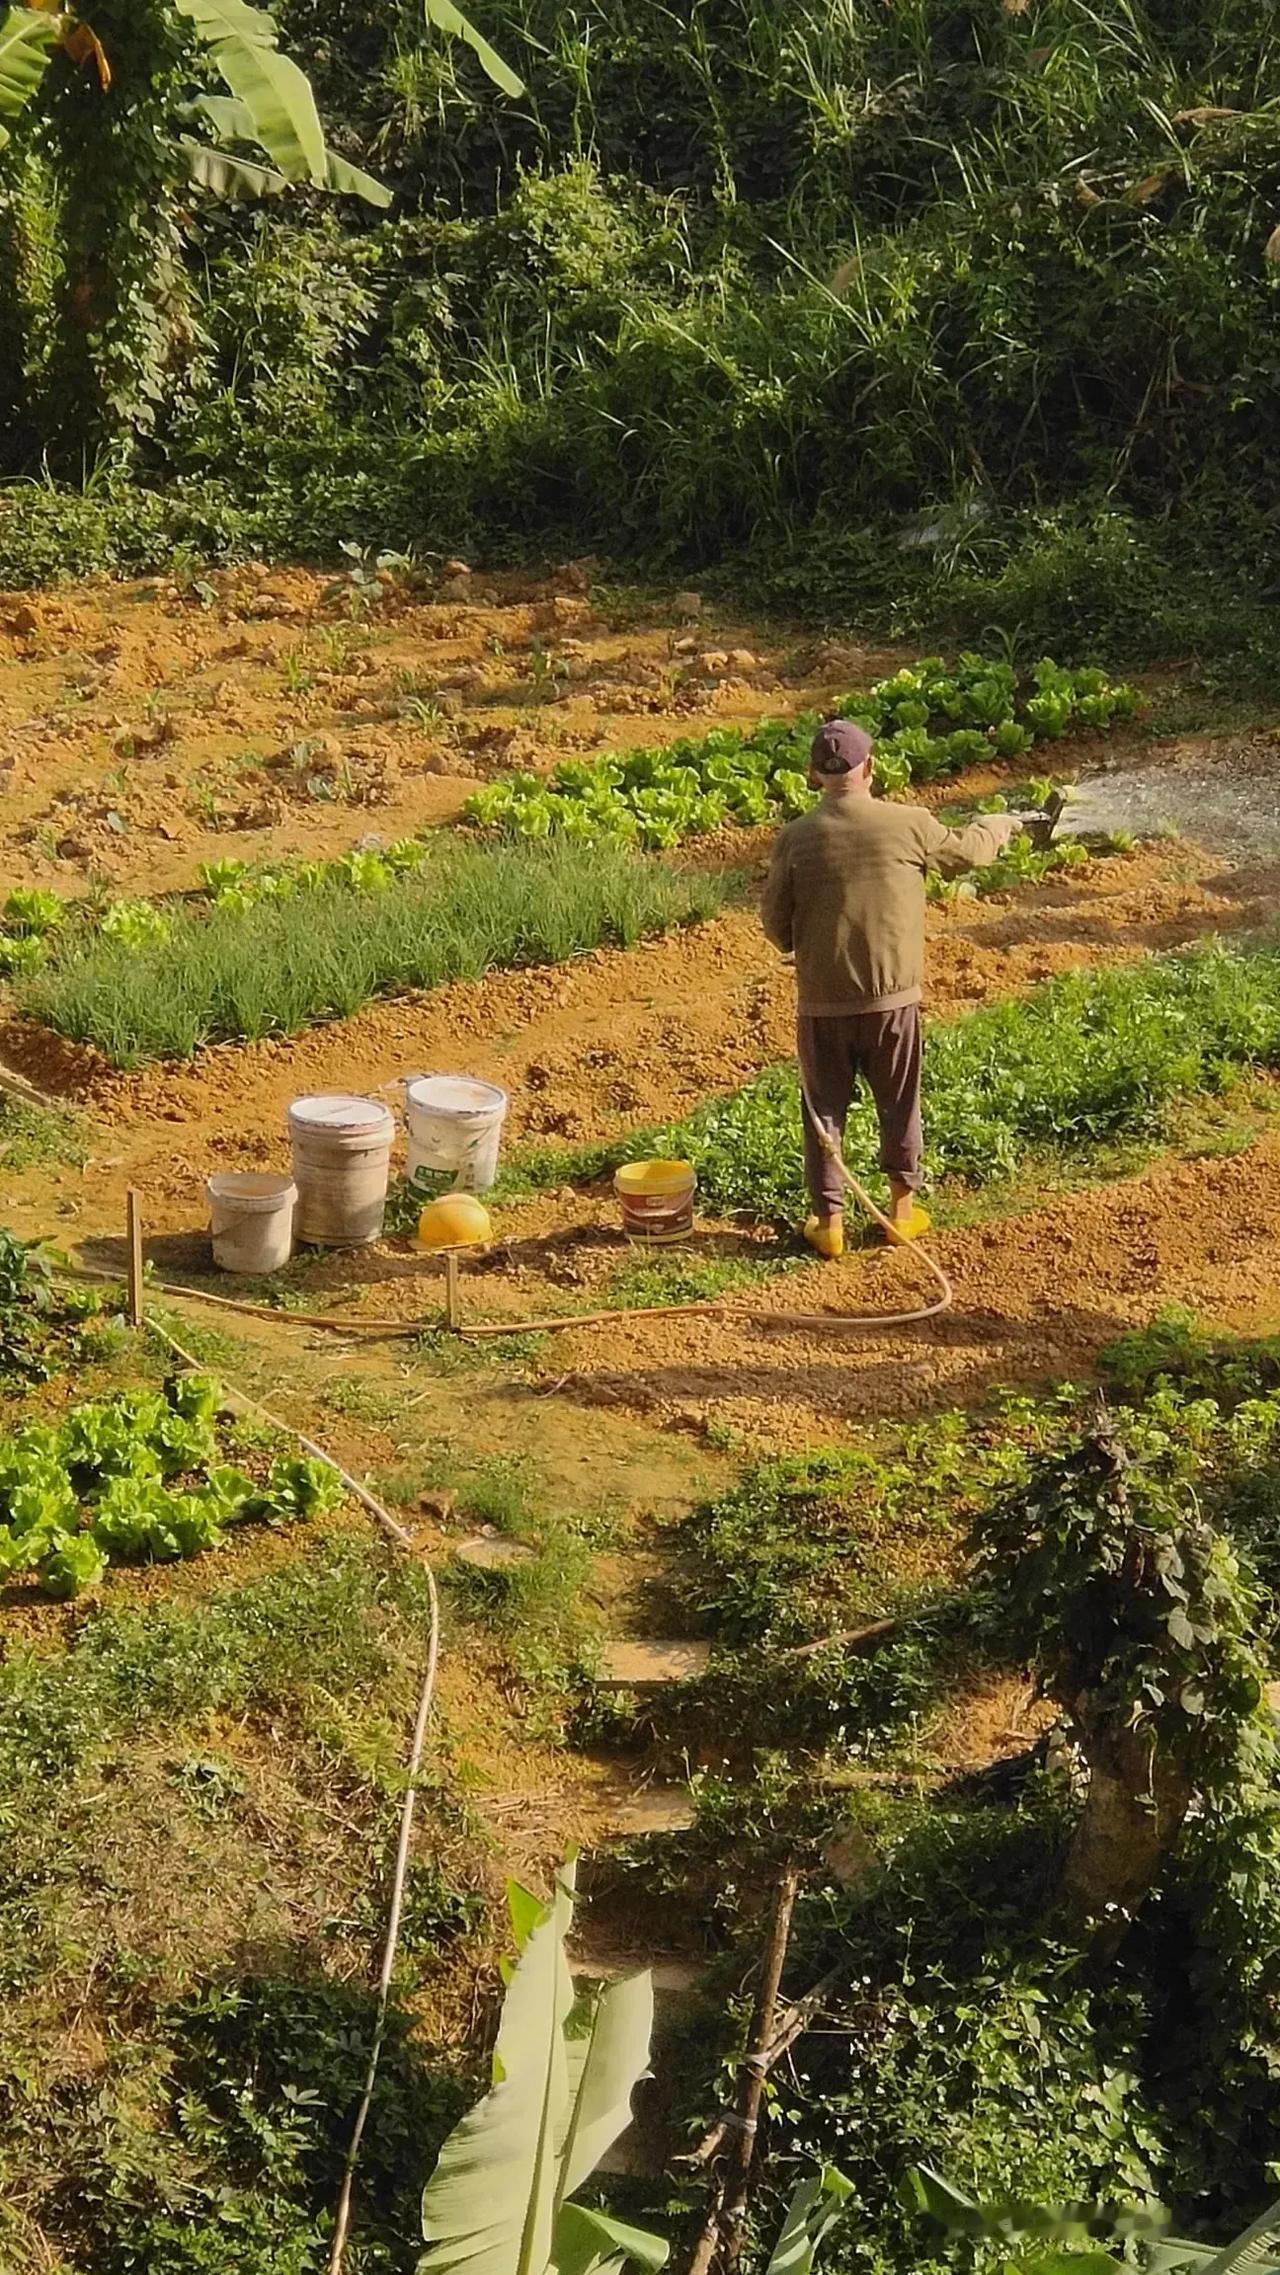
952,851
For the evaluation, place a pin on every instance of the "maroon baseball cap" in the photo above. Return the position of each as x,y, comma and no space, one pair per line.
840,748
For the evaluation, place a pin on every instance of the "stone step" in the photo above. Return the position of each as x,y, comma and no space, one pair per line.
492,1552
641,1663
653,1809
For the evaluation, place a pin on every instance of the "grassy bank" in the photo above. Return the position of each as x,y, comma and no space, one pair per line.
194,1798
235,975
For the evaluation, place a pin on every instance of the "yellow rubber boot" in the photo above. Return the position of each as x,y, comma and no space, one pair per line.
901,1235
825,1236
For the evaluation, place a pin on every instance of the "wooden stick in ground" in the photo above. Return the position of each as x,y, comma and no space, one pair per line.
133,1204
791,2024
452,1308
721,2237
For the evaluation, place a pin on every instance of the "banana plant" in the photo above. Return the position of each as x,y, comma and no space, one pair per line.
498,2202
1073,2239
564,2069
270,102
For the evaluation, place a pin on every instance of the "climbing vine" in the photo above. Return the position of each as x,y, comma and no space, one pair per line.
1139,1620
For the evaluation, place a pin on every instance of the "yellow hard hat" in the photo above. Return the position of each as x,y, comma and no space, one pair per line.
455,1220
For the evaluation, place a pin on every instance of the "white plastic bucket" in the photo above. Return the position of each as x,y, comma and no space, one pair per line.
341,1164
251,1220
455,1126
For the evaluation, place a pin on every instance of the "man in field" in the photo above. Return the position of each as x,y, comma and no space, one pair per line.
846,897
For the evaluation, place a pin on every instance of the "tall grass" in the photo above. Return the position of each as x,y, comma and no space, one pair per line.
281,966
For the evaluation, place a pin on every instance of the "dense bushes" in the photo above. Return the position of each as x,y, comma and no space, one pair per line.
749,279
977,2023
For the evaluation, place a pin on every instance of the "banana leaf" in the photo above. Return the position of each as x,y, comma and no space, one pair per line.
590,2243
27,39
447,18
275,95
228,176
497,2203
814,2209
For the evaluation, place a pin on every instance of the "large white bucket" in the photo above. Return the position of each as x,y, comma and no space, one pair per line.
251,1220
341,1163
455,1126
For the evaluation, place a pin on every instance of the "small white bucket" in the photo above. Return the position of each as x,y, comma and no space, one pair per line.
341,1164
251,1220
455,1126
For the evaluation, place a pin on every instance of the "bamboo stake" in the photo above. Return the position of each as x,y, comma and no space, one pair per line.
133,1204
721,2237
452,1301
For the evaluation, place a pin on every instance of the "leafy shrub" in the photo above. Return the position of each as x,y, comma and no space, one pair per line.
1138,1619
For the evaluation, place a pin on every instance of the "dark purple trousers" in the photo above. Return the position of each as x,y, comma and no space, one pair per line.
882,1049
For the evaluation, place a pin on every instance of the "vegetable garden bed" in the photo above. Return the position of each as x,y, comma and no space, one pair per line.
137,1478
928,721
1088,1058
277,965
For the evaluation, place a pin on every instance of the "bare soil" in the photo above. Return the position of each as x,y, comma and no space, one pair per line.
144,730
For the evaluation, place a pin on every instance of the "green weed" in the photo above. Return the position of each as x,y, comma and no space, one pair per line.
40,1137
679,1278
444,1353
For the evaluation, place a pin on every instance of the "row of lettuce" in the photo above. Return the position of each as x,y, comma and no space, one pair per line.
35,925
929,720
137,1478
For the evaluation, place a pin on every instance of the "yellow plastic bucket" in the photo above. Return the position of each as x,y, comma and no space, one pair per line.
657,1199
